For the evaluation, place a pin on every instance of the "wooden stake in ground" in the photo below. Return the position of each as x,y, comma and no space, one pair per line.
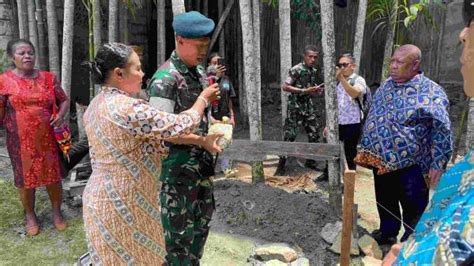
349,179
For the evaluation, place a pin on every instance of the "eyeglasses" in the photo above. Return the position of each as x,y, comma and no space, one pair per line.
343,65
468,12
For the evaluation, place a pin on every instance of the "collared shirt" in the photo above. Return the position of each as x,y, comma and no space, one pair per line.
348,109
407,124
445,233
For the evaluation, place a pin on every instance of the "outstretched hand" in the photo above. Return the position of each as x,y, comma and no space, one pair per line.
210,143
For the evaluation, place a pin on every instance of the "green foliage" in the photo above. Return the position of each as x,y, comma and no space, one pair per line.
4,62
304,10
391,13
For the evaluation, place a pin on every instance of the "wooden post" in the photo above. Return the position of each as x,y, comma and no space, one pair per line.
349,178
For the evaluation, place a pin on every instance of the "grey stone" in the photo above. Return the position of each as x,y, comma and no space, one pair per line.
369,247
276,251
371,261
300,262
336,246
275,263
330,231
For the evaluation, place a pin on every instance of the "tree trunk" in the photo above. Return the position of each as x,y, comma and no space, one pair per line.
22,18
178,7
43,51
250,13
284,13
220,26
359,34
392,21
205,7
328,43
97,25
14,20
243,107
123,22
53,42
387,54
220,6
197,6
161,32
113,14
33,30
68,36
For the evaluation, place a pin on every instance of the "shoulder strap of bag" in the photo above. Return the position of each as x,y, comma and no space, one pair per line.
50,83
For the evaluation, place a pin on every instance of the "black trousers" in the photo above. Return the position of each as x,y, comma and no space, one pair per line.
349,135
406,187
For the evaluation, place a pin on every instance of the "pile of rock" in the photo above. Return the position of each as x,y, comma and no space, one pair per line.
364,246
277,254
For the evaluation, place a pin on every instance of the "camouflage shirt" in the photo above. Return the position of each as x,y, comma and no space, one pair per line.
174,88
301,76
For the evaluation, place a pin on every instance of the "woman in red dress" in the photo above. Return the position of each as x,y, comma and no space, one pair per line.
26,102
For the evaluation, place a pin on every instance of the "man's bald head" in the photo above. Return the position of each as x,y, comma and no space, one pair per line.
410,49
405,63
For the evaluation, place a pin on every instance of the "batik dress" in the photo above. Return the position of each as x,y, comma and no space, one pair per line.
33,150
121,202
445,233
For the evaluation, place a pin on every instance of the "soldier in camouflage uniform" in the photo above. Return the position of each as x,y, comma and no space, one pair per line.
301,84
187,201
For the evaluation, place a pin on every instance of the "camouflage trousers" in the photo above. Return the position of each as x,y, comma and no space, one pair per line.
307,118
186,210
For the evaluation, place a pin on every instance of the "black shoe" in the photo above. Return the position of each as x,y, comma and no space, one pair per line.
383,240
281,167
311,164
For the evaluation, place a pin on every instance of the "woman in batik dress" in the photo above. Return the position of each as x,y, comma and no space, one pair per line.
126,139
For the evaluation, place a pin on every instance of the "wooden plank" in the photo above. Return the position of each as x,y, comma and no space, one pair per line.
248,151
349,177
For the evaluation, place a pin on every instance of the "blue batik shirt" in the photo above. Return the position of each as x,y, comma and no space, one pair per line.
445,233
407,124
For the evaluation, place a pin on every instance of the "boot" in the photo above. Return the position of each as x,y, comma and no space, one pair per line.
281,167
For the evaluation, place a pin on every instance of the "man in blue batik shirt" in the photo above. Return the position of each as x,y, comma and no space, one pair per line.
406,140
445,233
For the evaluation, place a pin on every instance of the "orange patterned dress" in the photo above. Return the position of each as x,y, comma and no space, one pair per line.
31,144
121,199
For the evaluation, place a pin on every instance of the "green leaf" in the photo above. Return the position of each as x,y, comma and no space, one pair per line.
414,10
407,22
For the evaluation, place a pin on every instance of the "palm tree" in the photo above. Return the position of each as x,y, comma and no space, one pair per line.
97,25
113,14
161,32
33,30
53,43
359,34
22,18
328,43
284,11
68,36
250,19
43,51
178,7
220,7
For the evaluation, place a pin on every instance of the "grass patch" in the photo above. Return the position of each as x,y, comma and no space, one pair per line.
50,247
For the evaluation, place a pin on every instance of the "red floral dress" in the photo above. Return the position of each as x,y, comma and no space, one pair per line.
31,144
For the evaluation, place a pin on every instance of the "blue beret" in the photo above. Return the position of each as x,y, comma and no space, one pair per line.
193,25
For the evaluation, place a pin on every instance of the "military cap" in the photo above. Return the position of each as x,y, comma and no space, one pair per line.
193,25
